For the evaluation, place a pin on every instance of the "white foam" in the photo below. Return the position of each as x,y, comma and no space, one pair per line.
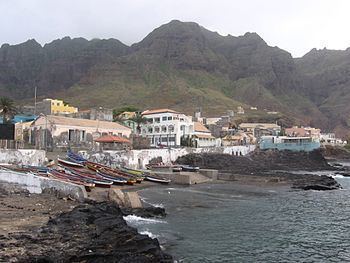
148,233
152,204
137,220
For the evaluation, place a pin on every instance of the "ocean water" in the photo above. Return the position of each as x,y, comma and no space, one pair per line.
226,222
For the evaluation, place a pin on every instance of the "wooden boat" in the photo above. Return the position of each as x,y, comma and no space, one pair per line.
69,163
69,178
116,180
131,179
157,180
110,172
76,157
188,168
96,179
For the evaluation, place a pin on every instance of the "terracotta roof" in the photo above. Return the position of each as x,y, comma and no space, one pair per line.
156,111
199,127
60,120
111,139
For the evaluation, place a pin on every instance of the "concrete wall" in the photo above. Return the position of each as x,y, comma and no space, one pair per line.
37,184
139,158
25,157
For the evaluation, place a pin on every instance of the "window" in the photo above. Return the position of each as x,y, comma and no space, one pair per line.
150,120
82,135
164,118
157,120
171,128
164,129
170,118
58,104
70,135
182,119
150,129
156,129
164,139
182,127
171,139
120,134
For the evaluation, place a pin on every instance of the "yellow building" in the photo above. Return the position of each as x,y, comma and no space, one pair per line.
58,107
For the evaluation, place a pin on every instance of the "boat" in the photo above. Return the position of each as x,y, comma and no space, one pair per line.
69,163
96,179
76,157
112,173
69,178
188,168
157,180
116,180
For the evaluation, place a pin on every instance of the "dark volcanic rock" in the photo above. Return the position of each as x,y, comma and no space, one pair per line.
89,233
321,183
258,161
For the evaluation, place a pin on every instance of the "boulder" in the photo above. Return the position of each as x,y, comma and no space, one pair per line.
116,196
132,200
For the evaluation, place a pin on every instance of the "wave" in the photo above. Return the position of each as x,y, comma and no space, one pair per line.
148,233
151,204
137,220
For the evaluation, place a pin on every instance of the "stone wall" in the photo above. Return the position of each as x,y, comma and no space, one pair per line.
139,158
22,157
38,184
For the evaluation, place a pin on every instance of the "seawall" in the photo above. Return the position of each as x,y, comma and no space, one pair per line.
22,157
138,159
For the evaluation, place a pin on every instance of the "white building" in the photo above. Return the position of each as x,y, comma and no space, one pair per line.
330,139
203,136
165,127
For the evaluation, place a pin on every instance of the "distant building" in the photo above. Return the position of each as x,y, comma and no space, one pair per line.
330,139
240,110
166,127
203,137
303,132
239,138
260,129
127,115
306,144
112,142
54,107
48,132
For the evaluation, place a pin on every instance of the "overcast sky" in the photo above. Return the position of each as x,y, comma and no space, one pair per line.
296,26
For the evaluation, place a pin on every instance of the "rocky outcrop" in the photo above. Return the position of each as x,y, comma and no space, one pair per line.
320,183
269,166
94,232
258,161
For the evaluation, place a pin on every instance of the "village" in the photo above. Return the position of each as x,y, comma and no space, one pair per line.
53,125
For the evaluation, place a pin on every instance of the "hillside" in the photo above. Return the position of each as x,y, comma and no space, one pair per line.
183,66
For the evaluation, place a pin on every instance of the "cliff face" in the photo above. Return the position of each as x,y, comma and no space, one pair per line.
184,66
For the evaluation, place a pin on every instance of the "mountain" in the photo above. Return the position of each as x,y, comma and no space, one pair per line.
183,66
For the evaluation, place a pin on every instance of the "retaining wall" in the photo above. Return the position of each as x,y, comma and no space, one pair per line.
137,159
22,157
37,184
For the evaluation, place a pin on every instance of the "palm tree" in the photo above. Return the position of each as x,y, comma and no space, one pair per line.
7,108
139,119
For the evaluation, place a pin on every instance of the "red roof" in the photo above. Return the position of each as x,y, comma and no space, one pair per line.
112,139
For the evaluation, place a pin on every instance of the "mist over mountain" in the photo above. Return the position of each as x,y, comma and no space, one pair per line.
182,65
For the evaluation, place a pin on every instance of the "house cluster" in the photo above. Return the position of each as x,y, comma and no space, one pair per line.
57,124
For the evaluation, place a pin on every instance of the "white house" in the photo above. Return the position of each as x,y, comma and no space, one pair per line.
165,127
203,136
49,131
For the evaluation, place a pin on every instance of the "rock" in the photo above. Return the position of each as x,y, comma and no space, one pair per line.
117,196
320,183
132,200
94,232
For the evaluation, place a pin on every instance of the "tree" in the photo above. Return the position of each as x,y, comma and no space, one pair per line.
139,119
7,109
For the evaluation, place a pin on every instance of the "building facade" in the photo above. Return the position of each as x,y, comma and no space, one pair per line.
48,132
54,107
166,127
306,144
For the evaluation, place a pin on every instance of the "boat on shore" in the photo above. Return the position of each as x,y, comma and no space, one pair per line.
157,180
189,168
69,163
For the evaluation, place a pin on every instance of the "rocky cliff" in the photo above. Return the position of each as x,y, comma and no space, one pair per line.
184,66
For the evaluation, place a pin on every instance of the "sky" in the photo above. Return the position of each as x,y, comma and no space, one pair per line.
296,26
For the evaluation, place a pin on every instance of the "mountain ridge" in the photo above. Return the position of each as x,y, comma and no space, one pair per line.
182,65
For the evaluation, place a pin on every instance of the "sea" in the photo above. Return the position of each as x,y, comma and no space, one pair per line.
227,222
